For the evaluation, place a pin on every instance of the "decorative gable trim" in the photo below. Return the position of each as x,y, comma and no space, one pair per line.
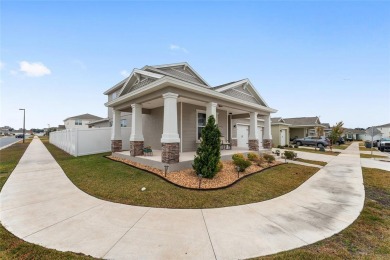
246,84
137,75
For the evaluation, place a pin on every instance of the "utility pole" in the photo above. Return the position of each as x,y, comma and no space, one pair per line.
24,123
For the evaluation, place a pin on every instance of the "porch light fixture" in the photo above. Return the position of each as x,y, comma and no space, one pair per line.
200,176
238,171
166,169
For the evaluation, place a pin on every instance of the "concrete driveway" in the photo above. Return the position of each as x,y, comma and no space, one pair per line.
39,204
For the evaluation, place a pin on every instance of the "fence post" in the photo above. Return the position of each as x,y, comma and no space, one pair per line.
77,143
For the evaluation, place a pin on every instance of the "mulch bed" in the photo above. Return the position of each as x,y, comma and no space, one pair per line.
187,178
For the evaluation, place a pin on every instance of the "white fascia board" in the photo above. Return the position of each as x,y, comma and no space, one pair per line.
186,86
115,87
138,71
182,64
238,83
235,84
281,124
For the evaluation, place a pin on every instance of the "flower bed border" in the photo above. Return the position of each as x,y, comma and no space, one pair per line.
190,188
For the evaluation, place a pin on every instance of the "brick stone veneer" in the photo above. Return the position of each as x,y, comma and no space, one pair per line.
234,142
116,146
170,152
267,143
136,148
253,145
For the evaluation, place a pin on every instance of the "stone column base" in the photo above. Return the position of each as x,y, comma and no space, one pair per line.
234,142
170,152
136,148
116,146
253,145
267,143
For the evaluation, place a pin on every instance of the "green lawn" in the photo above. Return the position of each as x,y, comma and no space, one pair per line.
115,181
363,155
11,247
308,150
311,161
367,238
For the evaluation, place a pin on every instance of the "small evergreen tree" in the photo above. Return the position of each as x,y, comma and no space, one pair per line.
208,153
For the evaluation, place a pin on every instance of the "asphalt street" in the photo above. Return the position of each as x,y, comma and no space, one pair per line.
6,140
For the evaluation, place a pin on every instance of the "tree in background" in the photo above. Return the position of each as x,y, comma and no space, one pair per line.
208,153
337,131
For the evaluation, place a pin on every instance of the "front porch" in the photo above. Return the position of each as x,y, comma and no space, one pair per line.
185,160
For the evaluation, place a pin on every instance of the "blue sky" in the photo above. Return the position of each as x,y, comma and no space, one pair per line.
327,59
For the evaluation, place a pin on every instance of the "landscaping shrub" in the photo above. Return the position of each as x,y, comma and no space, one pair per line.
269,158
279,146
290,146
252,156
242,163
296,146
237,156
208,153
289,155
220,166
260,161
322,149
286,145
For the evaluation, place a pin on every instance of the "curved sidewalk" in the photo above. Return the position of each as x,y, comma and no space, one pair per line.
39,204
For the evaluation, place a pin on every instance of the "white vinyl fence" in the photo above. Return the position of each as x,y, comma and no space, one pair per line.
79,142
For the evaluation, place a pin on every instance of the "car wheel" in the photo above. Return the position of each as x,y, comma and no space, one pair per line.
320,145
299,143
382,149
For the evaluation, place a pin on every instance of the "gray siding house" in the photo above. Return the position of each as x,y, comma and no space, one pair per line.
167,107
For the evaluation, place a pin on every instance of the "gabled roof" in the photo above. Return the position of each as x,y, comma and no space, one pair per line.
242,89
385,125
326,125
151,75
84,116
277,120
303,121
375,131
354,131
99,121
181,70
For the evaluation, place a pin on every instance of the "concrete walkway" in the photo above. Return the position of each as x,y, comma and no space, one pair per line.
40,205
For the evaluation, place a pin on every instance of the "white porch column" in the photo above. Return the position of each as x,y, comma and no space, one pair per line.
170,139
253,133
116,138
136,136
136,123
211,109
267,139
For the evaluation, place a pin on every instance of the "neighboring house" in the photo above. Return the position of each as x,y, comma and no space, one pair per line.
80,121
385,130
303,126
170,104
369,132
5,130
61,127
327,129
351,134
280,131
105,122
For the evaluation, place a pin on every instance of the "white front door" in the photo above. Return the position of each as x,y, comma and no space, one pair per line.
260,130
283,137
242,136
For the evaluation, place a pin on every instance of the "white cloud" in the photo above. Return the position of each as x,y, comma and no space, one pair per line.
2,65
125,73
174,47
13,72
34,69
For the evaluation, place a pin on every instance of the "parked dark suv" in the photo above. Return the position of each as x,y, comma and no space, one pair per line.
340,141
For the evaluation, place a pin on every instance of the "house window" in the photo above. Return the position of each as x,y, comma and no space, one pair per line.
78,122
200,123
123,123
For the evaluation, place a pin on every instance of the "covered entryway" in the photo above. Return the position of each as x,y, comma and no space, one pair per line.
283,137
242,135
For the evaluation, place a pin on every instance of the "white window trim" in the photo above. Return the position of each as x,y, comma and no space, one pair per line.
196,118
196,123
